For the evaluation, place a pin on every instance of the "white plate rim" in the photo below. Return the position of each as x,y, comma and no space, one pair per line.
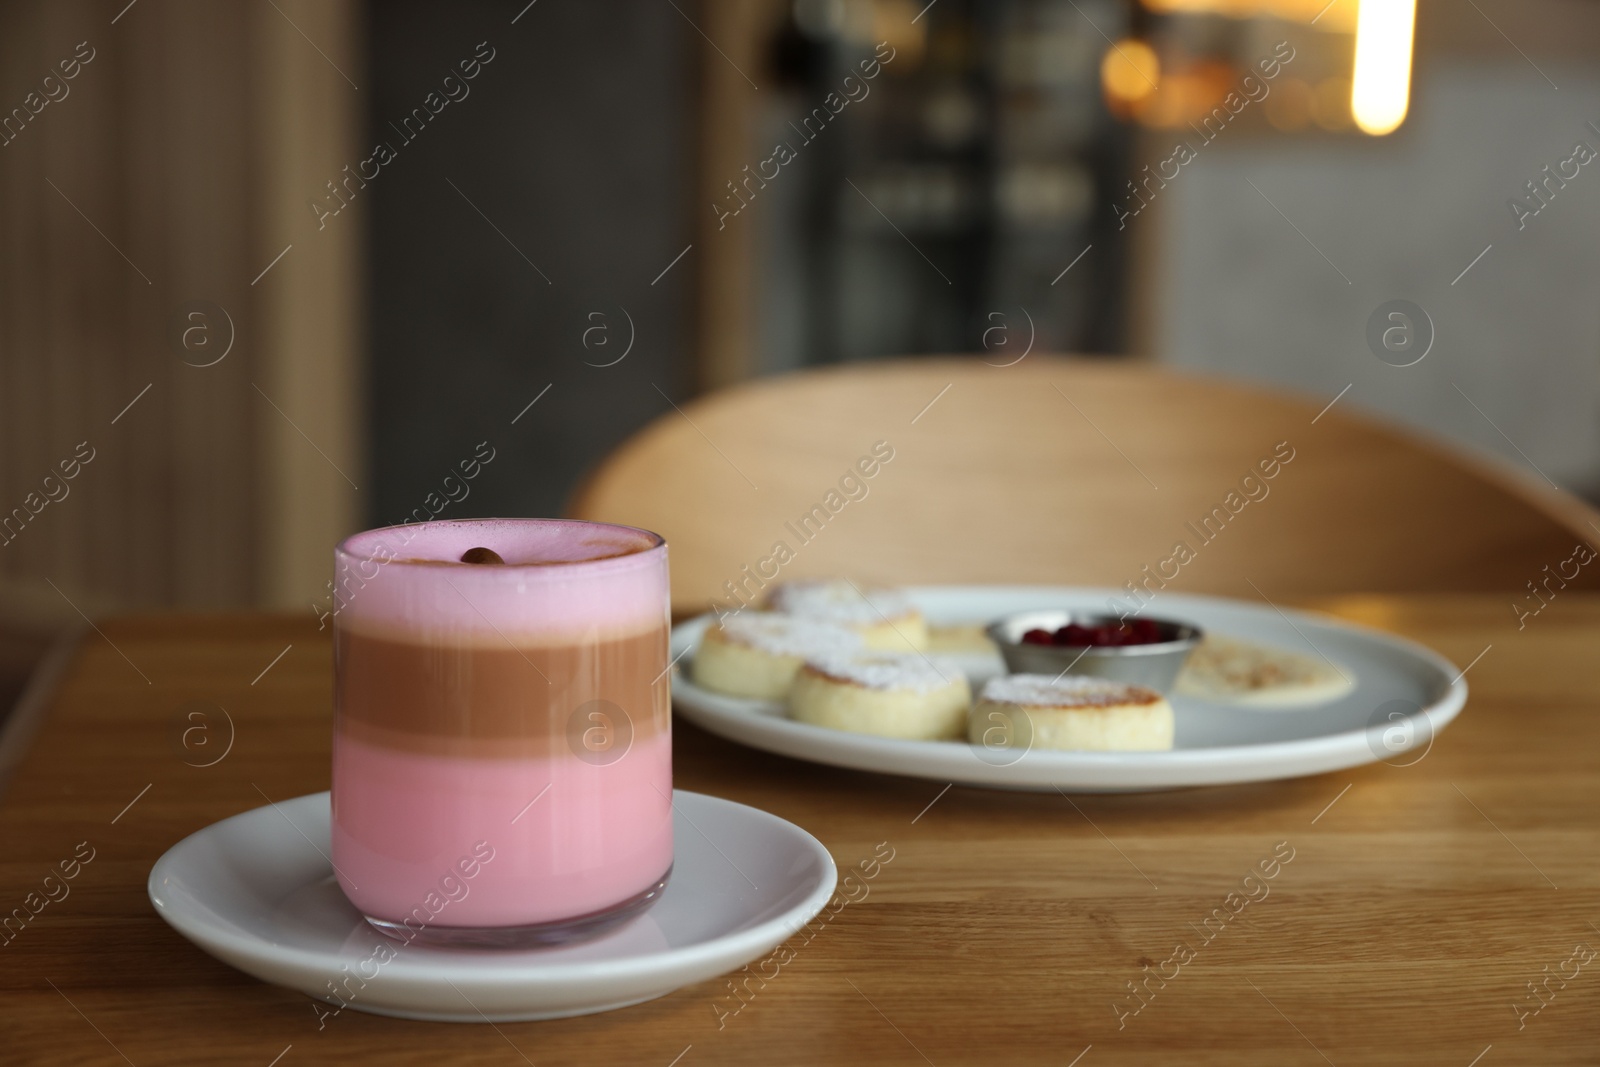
490,970
948,761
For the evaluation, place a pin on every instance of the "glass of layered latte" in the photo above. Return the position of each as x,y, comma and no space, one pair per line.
502,739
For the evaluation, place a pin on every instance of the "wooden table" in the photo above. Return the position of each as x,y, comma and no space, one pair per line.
1419,904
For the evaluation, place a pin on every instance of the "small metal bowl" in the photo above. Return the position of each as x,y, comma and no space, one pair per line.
1154,665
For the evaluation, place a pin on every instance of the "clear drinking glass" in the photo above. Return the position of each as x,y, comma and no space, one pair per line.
502,738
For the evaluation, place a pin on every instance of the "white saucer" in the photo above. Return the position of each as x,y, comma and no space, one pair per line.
1403,695
256,892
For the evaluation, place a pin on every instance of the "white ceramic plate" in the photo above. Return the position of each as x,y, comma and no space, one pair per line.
256,892
1403,696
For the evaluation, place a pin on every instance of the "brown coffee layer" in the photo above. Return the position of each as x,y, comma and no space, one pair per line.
589,742
442,696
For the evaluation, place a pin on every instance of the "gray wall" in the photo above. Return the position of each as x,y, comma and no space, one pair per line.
1236,290
576,142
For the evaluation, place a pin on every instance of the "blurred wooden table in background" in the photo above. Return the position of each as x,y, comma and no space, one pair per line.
1430,913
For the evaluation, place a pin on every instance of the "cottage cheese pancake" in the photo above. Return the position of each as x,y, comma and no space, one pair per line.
888,694
757,654
884,617
1073,712
1231,671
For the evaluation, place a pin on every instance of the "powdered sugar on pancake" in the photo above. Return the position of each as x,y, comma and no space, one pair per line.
886,670
1068,691
838,601
786,635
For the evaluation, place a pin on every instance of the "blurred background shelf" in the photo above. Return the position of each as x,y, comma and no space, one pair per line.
550,263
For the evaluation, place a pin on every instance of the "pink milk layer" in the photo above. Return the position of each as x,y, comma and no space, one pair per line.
563,579
402,822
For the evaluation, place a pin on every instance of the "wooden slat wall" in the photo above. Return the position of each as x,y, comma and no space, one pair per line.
311,305
192,141
735,32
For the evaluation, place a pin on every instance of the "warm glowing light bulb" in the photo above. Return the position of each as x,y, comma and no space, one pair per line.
1129,70
1381,88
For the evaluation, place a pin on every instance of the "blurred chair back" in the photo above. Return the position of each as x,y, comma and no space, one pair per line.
1073,472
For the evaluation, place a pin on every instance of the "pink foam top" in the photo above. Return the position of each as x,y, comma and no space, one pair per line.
561,578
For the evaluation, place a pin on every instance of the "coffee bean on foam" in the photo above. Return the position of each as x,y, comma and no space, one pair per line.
481,555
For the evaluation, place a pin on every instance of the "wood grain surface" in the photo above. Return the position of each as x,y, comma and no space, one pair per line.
1419,904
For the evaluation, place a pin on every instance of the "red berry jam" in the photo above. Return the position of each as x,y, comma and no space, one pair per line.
1105,635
